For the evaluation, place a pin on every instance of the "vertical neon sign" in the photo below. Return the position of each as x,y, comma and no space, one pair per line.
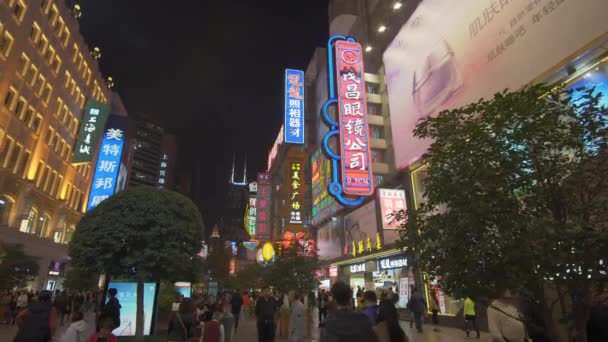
347,91
294,106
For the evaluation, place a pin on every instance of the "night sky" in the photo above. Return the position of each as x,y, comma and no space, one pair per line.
209,71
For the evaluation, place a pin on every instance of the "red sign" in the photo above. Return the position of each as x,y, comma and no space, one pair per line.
333,271
232,266
391,201
262,230
355,156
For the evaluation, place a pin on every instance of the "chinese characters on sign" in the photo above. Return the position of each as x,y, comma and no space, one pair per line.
391,262
333,271
363,246
294,106
357,268
354,132
162,173
108,163
391,201
251,217
296,194
263,206
93,122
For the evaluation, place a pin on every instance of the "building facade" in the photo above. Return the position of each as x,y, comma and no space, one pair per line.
48,74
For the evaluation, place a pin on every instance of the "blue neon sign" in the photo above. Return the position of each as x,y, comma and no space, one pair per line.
108,162
294,106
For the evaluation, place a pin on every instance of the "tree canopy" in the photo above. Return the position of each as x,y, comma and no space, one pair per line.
140,233
516,198
17,269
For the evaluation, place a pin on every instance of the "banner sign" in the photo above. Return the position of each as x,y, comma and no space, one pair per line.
108,162
93,122
262,231
395,261
354,132
391,201
296,194
294,106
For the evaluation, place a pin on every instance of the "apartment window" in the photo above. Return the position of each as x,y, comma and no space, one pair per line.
48,174
46,95
373,109
72,87
29,114
50,53
68,152
36,123
20,106
59,146
10,97
65,38
50,132
373,88
88,77
74,52
14,156
59,182
64,113
59,106
39,173
23,63
64,149
40,84
35,32
53,15
32,72
83,71
44,6
75,127
60,26
66,79
25,159
19,9
56,64
42,44
5,149
55,141
77,95
81,101
376,132
6,43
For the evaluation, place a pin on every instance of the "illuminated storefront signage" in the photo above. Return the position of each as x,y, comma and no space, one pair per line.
391,201
396,261
162,170
306,246
333,271
251,215
294,106
232,266
295,192
108,162
363,246
94,120
352,177
318,274
357,268
263,206
323,205
253,187
251,244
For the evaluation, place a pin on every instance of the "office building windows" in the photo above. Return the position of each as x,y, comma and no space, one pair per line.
6,42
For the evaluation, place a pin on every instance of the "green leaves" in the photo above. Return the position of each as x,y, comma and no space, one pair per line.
17,269
143,233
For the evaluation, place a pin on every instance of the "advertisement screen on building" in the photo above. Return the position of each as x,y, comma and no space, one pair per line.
361,230
323,205
294,106
91,127
127,295
392,201
330,240
447,56
356,171
108,162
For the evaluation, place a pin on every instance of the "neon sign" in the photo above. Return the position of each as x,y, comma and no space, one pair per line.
295,193
347,91
294,106
391,201
108,163
263,206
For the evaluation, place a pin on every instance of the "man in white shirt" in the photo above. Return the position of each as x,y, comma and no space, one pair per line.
297,327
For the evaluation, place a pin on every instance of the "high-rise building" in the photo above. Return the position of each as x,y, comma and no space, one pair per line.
47,75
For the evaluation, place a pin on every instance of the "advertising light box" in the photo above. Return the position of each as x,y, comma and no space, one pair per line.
294,106
127,296
91,126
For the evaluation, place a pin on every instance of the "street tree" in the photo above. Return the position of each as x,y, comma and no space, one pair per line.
292,270
516,197
141,234
17,269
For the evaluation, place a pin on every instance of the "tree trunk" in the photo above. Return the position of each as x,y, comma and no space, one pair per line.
139,321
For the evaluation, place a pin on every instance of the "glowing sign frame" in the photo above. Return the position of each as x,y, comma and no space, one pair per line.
294,106
342,190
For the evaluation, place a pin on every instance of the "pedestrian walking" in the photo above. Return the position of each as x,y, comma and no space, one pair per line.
371,306
105,331
236,303
212,331
183,323
322,301
38,322
77,331
470,316
61,305
435,309
5,307
245,306
388,328
22,301
112,308
346,324
297,328
417,306
505,321
266,314
227,320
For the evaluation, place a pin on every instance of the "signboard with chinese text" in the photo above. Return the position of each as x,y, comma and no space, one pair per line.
333,271
263,206
296,194
355,156
108,162
361,231
391,201
253,187
294,106
162,170
251,219
395,261
93,121
357,268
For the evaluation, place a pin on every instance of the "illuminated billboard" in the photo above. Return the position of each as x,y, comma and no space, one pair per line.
391,201
354,132
263,206
93,121
108,162
294,106
296,193
323,205
447,56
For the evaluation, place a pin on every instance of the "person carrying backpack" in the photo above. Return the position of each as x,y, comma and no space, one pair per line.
38,322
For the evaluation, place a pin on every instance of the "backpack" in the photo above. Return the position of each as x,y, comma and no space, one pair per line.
35,327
